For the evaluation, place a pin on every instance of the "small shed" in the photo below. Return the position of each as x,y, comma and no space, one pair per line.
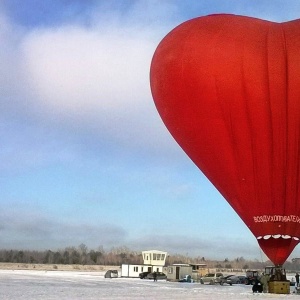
177,272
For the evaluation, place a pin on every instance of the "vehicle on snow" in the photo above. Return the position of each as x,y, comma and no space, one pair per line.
234,279
159,276
111,274
212,278
144,274
251,276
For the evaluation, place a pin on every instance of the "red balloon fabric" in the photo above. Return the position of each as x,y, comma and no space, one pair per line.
228,89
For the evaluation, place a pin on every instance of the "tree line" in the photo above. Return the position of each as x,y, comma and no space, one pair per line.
72,255
122,255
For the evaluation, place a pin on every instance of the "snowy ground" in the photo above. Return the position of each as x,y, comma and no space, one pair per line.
92,285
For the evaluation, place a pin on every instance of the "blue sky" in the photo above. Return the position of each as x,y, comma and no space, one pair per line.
85,157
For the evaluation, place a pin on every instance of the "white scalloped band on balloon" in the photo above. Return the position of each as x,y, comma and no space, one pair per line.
277,236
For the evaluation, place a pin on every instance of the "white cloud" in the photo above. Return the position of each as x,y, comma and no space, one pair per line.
82,81
75,71
98,79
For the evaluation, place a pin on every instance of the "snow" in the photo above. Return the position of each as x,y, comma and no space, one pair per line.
25,284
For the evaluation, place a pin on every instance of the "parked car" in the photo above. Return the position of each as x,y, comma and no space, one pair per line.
242,279
144,274
111,274
159,276
212,278
227,280
234,279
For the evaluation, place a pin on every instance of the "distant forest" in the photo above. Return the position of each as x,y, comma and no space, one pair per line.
122,255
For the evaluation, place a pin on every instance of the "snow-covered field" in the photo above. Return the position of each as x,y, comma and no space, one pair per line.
92,285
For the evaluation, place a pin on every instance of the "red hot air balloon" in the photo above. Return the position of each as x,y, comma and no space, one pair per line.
228,89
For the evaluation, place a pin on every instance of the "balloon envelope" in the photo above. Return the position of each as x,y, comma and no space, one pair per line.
228,89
